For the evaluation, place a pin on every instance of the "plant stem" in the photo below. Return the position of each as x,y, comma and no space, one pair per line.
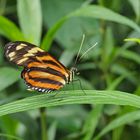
43,123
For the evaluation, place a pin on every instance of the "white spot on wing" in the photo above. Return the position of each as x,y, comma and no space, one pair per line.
39,89
10,45
36,88
22,60
11,54
43,90
20,46
7,51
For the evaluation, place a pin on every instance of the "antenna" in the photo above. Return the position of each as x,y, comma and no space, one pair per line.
87,51
83,38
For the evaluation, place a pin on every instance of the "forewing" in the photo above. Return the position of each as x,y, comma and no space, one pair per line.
21,53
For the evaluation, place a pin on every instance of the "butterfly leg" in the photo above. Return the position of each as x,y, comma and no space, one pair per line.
80,85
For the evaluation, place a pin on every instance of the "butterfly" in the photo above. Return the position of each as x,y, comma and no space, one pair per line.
42,72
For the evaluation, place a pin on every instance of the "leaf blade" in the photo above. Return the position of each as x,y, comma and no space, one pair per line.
5,74
122,120
30,19
67,97
88,11
9,30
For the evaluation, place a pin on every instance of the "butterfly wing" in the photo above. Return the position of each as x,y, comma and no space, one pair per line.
41,71
21,53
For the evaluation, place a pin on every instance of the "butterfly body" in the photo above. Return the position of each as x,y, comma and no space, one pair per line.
41,72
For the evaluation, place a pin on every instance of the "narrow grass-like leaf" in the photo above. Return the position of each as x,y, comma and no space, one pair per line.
131,56
115,83
28,121
52,131
121,70
88,11
122,120
30,18
7,77
136,7
9,136
91,122
107,48
47,40
71,97
97,12
9,30
133,40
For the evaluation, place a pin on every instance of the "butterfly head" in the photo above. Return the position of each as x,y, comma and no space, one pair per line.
74,70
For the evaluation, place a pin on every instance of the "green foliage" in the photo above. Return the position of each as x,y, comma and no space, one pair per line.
108,112
133,39
11,75
30,19
9,29
66,97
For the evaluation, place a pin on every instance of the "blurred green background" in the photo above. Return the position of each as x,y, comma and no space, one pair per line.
57,26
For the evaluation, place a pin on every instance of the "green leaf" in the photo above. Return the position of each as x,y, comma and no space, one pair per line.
64,7
123,71
136,7
133,40
30,19
66,36
91,122
28,121
122,120
8,76
107,49
10,136
47,40
106,14
116,82
131,55
9,30
71,97
92,12
52,131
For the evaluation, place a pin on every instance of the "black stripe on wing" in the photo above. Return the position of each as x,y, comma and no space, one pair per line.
51,62
46,80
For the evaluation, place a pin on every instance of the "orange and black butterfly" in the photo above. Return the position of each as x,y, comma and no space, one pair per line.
41,72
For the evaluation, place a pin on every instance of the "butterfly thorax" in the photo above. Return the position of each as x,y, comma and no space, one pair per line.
72,71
